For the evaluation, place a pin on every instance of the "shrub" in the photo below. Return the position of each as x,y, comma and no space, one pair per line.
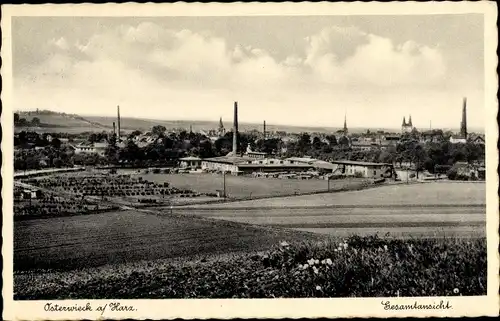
357,267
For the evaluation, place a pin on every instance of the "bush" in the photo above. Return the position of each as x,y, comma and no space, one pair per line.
358,267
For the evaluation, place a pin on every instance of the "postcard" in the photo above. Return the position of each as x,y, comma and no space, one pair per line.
249,160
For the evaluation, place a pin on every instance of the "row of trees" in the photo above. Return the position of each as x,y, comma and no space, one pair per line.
168,147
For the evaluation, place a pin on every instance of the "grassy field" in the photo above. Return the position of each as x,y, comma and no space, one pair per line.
127,236
402,211
357,267
240,186
425,194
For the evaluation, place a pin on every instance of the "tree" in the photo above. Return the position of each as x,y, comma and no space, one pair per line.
332,140
316,143
56,143
343,141
388,155
304,143
35,121
158,130
111,152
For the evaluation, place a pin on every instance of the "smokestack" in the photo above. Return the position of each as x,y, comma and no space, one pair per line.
463,125
264,129
119,132
235,129
114,129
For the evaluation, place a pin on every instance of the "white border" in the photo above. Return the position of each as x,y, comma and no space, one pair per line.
262,308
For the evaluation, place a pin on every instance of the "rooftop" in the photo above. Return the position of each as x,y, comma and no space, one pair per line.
230,159
359,163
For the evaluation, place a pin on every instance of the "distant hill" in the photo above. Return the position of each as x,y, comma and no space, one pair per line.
59,122
51,121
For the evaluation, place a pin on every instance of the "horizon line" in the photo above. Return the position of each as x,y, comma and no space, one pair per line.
248,122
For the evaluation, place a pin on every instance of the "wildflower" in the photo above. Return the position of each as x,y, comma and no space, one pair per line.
323,261
311,261
345,246
315,269
301,266
316,261
305,266
456,291
284,244
329,262
318,288
385,247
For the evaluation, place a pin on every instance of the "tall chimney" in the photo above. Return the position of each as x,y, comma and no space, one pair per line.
114,129
463,125
235,129
119,132
264,129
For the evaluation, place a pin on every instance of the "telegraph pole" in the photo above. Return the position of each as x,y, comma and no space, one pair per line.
224,182
328,182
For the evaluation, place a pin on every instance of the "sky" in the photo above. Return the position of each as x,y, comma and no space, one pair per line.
289,70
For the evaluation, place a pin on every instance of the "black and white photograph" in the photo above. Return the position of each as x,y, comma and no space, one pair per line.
258,153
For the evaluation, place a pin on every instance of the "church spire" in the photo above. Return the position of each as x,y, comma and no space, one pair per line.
404,121
409,122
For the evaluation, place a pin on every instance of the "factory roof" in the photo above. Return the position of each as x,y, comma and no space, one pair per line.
189,158
276,165
235,160
359,163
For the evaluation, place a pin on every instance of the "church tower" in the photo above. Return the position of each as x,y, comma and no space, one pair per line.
463,124
221,131
406,127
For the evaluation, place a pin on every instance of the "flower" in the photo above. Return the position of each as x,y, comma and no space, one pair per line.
456,291
315,269
318,288
385,247
301,266
305,266
284,244
323,261
345,245
311,261
316,261
329,262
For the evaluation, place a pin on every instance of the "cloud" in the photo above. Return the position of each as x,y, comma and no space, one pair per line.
161,68
351,56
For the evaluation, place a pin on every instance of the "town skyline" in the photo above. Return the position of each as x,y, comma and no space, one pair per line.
313,75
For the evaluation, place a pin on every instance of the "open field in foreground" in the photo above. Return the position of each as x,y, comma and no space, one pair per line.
434,193
359,267
419,210
241,187
127,236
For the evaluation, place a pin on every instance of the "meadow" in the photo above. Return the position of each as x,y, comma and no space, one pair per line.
355,267
238,187
431,210
424,194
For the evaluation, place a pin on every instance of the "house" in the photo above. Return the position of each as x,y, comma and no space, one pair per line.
190,162
476,139
457,139
91,148
364,169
